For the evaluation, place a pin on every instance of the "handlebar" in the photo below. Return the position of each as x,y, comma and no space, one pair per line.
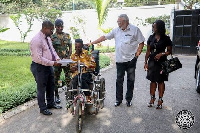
80,65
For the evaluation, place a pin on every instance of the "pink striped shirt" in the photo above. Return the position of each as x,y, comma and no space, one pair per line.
40,51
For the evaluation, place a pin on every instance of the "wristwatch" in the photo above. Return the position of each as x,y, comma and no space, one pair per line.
163,53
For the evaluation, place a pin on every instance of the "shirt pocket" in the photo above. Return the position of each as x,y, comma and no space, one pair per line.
126,45
127,39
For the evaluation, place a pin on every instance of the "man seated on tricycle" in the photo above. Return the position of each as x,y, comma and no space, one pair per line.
89,63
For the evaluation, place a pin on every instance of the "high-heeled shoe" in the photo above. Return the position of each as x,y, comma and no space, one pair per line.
151,103
159,105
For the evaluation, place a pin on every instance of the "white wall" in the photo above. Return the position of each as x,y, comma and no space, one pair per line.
90,18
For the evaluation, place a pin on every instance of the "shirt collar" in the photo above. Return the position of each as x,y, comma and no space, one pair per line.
43,35
127,28
81,53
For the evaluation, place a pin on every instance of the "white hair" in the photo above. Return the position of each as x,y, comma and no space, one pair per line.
124,16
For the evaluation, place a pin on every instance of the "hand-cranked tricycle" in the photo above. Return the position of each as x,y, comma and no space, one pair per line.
78,103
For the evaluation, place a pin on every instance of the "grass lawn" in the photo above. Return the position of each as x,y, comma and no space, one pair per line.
15,71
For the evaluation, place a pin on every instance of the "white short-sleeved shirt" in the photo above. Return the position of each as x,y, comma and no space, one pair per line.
126,42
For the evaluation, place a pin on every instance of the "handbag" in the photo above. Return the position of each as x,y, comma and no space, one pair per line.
170,65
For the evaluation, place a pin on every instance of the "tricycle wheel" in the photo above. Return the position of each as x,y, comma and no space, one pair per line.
79,116
96,110
101,104
102,88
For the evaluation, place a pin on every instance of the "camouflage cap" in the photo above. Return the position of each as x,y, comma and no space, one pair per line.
59,22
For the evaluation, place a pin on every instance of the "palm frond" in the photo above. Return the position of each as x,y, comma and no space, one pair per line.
101,7
3,29
104,10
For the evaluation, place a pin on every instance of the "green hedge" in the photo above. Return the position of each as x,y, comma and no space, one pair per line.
105,49
104,61
26,52
12,97
13,45
14,52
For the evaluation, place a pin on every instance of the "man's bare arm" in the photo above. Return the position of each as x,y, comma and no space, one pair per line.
100,39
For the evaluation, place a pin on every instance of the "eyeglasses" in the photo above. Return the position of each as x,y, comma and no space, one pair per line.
119,22
51,29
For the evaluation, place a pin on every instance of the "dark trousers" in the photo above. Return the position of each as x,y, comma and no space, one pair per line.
44,77
128,67
57,73
86,82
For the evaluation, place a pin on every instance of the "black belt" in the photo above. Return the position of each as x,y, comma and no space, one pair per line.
39,64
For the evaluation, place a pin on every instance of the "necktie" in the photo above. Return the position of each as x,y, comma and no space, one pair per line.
53,57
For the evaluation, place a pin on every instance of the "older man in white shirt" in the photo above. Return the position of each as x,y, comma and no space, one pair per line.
129,43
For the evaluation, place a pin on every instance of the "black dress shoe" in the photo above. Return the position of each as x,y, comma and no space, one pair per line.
128,103
45,112
117,103
57,99
54,107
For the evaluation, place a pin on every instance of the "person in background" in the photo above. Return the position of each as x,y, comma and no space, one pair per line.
197,60
62,44
129,43
43,58
159,46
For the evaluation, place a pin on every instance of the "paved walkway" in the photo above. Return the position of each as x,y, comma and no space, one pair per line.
180,95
